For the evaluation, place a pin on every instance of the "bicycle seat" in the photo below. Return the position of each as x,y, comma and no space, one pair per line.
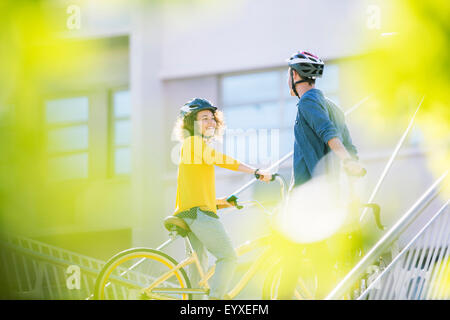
173,223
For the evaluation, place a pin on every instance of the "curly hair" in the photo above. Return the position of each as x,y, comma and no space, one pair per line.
184,126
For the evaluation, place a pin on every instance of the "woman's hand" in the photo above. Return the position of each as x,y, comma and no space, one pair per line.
265,175
222,203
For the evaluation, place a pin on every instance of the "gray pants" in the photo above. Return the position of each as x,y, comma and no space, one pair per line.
208,233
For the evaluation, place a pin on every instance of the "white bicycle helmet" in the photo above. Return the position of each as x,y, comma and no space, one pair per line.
307,65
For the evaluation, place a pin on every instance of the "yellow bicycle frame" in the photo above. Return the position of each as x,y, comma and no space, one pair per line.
153,290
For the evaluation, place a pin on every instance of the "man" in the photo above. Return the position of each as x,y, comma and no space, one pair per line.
320,124
319,128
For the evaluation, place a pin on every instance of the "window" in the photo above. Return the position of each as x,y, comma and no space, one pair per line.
251,88
121,133
67,137
262,100
85,143
329,83
257,101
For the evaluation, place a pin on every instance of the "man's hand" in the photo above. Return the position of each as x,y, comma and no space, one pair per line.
222,203
354,168
351,166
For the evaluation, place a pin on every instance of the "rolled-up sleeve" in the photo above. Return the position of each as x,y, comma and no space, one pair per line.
349,144
318,119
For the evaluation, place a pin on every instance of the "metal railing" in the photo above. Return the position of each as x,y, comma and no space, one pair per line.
421,270
36,270
390,237
289,155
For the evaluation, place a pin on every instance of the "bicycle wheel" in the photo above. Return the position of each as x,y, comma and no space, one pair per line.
126,274
305,287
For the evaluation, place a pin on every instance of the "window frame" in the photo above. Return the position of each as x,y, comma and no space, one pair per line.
281,101
47,127
101,135
283,94
112,147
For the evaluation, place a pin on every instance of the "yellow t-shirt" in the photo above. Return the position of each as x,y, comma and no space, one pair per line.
196,179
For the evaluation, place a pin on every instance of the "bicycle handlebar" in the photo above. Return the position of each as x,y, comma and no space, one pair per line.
257,176
376,213
232,199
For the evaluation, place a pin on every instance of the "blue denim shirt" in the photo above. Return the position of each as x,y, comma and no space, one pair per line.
318,121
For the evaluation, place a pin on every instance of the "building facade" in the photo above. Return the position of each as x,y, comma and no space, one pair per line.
113,127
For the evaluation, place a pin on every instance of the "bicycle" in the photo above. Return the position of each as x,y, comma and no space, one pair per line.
156,275
152,274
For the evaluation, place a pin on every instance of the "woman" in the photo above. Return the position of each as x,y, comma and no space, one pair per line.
199,123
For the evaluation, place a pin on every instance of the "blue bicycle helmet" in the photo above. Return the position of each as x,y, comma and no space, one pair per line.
196,104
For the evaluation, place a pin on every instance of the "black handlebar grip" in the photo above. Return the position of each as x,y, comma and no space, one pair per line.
376,214
233,200
257,176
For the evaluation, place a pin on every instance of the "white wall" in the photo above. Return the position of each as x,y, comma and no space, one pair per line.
222,36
